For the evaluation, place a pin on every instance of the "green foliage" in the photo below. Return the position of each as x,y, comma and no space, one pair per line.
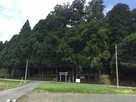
96,63
77,36
119,19
1,45
127,51
133,25
9,84
3,72
126,56
83,88
121,26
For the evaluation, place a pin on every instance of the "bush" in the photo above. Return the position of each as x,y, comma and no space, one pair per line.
105,79
3,72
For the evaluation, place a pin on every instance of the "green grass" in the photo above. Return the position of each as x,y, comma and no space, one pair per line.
83,88
9,84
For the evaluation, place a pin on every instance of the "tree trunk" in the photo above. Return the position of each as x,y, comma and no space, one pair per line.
95,76
76,71
12,75
73,79
88,76
99,74
56,74
28,73
42,73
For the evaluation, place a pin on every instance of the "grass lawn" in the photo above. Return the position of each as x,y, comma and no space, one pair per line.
9,83
83,88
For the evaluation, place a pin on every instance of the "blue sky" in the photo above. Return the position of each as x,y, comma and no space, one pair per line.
14,13
131,3
109,4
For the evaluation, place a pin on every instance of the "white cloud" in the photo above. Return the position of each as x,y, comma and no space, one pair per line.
34,10
11,19
8,28
14,13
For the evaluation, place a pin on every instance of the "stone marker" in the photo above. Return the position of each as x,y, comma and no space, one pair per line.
8,100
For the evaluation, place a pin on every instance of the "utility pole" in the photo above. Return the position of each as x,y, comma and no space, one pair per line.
117,76
26,69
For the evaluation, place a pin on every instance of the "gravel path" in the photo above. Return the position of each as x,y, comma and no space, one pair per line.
69,97
13,94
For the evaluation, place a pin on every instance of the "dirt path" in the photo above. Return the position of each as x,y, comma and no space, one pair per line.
18,92
69,97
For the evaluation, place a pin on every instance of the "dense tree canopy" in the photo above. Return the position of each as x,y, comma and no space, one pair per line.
119,19
76,35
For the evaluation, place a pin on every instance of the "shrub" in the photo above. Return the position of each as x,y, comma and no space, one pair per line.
3,72
105,79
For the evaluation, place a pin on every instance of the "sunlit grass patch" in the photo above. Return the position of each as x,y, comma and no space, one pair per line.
9,84
83,88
